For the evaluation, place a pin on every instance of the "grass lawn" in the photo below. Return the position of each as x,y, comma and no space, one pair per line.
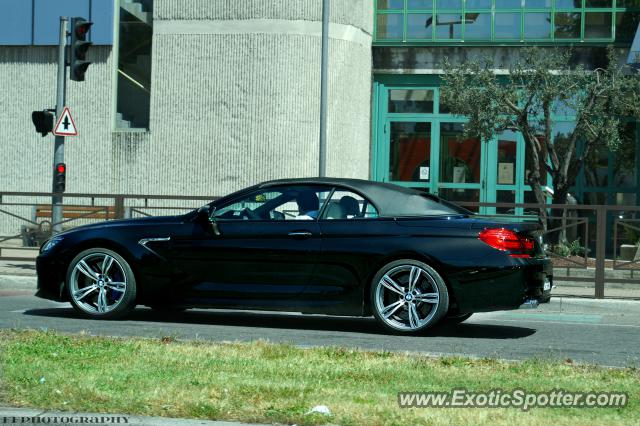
275,383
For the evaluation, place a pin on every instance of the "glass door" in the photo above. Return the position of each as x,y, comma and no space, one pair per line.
418,143
506,176
462,166
408,146
431,155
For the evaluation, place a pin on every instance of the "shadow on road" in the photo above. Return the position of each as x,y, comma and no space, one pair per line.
289,321
28,265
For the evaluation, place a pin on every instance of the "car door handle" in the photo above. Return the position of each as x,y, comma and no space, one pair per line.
300,234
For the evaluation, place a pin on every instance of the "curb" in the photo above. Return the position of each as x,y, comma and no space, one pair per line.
616,307
11,415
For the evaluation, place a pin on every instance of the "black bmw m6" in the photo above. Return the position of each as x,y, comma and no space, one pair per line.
329,246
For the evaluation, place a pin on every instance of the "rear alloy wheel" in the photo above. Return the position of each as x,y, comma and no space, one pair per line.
408,296
101,284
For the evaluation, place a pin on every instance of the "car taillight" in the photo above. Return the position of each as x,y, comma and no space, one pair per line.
506,240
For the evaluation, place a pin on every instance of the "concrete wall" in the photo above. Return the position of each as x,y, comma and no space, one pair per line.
234,101
235,96
28,83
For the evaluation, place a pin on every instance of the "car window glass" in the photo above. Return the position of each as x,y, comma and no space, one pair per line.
280,203
349,205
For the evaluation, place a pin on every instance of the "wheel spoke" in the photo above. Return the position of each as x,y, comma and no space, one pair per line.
86,269
427,298
117,286
83,292
106,264
102,301
414,320
414,275
389,283
392,308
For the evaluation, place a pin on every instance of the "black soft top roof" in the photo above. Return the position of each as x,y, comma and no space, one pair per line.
390,200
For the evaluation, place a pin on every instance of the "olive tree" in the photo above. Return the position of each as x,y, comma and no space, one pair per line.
525,97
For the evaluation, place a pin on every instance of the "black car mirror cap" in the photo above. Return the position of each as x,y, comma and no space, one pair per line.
203,214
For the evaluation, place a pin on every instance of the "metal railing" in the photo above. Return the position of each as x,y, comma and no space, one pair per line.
599,229
25,217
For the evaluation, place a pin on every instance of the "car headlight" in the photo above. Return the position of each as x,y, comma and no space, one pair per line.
49,244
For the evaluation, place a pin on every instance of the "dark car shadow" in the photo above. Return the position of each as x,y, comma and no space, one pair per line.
295,322
26,266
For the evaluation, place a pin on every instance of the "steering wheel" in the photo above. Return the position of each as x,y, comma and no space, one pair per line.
247,213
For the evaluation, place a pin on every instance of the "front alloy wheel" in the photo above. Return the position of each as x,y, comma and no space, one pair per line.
101,284
408,296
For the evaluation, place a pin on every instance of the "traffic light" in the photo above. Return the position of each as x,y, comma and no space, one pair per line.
79,46
59,179
44,121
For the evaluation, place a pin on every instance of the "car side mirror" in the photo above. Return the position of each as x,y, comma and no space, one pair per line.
202,215
206,215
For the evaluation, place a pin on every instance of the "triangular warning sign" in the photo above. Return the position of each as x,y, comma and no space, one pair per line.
65,125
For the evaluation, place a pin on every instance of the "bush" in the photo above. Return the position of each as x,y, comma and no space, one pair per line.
569,249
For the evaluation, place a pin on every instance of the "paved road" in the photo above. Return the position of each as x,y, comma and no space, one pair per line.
601,332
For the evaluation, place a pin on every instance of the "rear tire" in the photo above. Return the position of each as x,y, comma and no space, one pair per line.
101,284
408,296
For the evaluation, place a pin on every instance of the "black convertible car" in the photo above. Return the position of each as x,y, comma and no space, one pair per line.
330,246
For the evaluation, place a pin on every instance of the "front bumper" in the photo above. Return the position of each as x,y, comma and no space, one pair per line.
50,279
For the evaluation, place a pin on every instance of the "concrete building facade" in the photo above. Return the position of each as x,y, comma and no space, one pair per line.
221,95
204,97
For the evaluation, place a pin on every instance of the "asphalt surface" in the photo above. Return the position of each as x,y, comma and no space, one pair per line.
586,331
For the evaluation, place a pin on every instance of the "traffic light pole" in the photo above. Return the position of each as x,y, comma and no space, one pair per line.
322,166
58,150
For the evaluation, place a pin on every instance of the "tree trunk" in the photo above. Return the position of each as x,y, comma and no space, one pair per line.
559,220
534,177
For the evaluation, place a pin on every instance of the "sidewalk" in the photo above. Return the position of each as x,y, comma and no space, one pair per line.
24,416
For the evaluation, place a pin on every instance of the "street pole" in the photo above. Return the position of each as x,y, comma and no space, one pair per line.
323,89
58,150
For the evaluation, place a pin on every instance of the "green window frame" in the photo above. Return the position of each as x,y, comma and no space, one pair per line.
400,22
490,184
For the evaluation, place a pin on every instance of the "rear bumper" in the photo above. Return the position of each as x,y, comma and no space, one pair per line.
505,288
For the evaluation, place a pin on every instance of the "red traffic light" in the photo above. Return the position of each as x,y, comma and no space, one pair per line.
61,167
79,46
81,28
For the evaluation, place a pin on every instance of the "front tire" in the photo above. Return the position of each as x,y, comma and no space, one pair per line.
101,284
408,296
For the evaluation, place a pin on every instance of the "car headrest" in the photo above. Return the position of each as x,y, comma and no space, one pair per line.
334,211
308,201
350,206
